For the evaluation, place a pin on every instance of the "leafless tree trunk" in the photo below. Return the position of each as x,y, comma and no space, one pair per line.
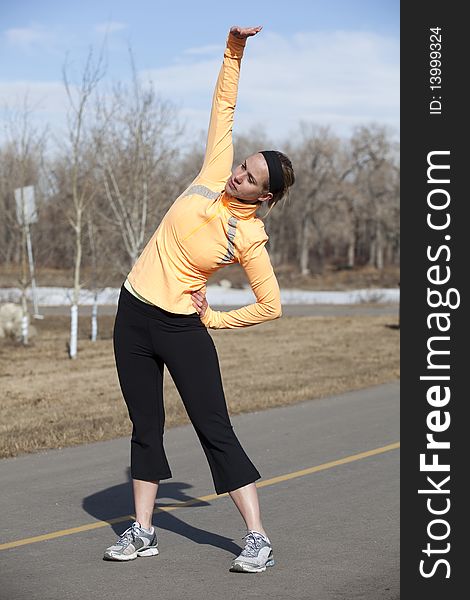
81,193
305,247
94,267
351,251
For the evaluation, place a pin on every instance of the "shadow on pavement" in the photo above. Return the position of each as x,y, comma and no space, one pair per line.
117,501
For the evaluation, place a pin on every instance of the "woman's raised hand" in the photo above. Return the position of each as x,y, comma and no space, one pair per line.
243,32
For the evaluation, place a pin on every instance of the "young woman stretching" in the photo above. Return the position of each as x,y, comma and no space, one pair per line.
163,316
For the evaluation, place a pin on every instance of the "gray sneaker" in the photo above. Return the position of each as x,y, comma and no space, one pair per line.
132,543
256,556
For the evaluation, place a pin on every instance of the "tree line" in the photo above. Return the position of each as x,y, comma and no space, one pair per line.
125,157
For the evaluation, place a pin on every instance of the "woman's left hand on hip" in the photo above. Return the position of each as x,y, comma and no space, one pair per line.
199,302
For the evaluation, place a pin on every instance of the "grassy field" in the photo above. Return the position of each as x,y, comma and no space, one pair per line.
49,401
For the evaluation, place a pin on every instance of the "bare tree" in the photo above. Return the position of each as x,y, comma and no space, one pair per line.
80,164
121,167
135,137
21,163
348,205
317,170
377,182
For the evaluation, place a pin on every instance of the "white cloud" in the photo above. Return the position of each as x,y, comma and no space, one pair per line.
46,100
110,27
341,78
43,95
209,49
28,38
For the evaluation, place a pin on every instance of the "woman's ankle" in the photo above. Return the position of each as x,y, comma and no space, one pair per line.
145,525
258,530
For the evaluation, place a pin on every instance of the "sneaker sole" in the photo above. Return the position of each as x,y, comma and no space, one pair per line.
247,568
152,551
120,557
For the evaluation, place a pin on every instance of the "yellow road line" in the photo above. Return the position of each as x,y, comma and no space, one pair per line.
170,507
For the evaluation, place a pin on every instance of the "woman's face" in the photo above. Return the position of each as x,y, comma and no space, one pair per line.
249,180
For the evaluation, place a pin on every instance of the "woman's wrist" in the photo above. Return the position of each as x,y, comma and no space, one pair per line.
206,318
234,46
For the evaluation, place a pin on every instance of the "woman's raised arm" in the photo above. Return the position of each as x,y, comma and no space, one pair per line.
218,159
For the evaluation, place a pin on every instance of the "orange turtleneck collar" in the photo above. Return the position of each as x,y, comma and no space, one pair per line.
238,208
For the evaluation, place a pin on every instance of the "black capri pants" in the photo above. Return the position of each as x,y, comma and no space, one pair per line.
145,339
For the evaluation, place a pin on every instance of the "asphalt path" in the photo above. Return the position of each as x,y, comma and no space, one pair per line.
329,496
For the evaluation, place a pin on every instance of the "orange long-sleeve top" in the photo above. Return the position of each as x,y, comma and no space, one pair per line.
206,229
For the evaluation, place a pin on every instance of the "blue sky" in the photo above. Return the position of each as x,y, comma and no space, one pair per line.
332,62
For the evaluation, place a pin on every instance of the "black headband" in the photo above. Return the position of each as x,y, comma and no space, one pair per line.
276,176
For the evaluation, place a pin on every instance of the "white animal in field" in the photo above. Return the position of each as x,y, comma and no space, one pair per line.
10,321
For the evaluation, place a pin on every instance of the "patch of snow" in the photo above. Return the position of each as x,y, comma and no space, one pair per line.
216,296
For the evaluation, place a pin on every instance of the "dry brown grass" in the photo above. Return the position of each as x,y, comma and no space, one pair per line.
49,401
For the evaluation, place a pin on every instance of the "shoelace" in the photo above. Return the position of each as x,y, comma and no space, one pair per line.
253,544
128,536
